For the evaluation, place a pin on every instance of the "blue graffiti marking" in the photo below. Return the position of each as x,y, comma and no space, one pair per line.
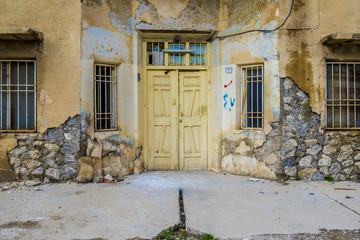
232,101
225,97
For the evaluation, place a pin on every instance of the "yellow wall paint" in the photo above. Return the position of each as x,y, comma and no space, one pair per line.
169,8
57,56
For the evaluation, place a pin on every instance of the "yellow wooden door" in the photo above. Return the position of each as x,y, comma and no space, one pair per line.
177,126
192,121
162,120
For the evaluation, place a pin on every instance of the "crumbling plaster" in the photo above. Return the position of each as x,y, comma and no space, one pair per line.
200,15
108,35
107,38
303,56
238,146
57,55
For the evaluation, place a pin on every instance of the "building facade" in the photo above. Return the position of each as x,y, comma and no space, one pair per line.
264,88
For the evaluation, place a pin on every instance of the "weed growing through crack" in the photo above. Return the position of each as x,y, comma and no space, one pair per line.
329,179
175,233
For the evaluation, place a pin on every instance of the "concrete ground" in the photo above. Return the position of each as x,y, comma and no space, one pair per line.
226,206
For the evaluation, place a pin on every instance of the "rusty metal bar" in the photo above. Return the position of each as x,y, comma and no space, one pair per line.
105,97
1,95
342,102
18,97
16,89
255,116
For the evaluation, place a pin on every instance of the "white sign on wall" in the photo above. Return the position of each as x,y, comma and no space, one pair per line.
228,70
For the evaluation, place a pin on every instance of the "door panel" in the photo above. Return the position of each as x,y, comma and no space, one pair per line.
177,126
162,120
192,121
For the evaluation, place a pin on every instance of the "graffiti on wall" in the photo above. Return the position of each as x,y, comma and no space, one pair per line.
229,102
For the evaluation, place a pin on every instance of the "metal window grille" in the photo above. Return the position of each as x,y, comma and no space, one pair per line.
105,97
198,56
18,95
343,95
252,97
155,53
177,58
168,53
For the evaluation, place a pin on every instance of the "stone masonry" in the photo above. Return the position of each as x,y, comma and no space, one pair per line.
297,147
310,152
64,153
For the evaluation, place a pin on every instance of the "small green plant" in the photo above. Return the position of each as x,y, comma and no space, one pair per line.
298,178
329,179
208,237
169,234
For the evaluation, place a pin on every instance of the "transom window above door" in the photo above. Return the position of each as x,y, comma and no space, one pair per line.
169,53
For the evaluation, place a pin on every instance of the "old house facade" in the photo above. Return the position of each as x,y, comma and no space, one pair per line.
266,88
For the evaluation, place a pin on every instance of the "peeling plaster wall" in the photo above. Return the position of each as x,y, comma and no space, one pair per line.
57,61
250,14
107,37
200,15
303,56
238,146
57,55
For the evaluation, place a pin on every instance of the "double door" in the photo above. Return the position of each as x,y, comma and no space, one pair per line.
177,120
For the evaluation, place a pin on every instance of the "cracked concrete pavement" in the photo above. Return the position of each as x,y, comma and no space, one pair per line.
226,206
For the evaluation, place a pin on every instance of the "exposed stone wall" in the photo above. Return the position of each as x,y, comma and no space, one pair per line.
67,153
115,156
307,151
297,147
239,155
51,156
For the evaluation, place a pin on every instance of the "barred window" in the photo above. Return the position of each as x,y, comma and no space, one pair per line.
343,95
105,97
169,53
18,95
198,56
251,112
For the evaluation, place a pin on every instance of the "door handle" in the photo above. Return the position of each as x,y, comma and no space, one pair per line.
173,103
180,120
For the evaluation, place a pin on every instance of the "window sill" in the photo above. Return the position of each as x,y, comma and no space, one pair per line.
102,135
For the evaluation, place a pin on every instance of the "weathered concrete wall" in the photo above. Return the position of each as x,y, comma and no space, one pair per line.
200,15
57,55
303,56
309,151
108,37
57,58
238,146
292,143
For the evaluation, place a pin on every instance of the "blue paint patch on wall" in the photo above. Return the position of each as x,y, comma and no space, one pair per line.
276,112
97,41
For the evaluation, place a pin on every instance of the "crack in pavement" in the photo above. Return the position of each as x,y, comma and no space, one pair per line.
340,203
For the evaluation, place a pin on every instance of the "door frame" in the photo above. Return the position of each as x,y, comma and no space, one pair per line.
209,97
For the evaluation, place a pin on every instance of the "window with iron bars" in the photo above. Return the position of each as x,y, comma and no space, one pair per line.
176,54
18,95
252,92
105,97
343,95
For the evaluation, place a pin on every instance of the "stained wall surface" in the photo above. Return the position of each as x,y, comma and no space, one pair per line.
57,55
57,58
79,35
303,56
